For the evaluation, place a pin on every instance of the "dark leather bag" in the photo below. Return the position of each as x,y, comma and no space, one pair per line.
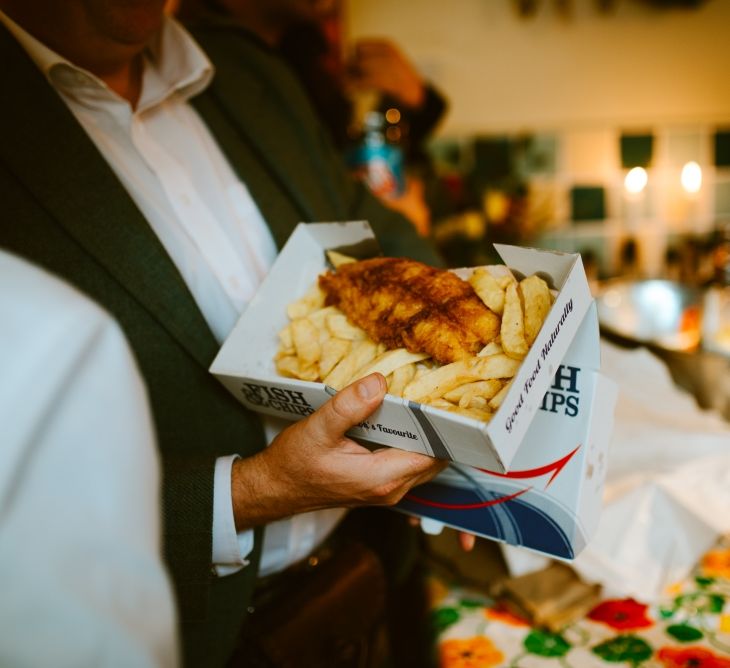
328,612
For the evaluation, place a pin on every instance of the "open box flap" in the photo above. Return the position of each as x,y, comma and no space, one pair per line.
556,266
565,319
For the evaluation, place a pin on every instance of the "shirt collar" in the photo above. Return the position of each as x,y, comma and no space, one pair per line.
174,64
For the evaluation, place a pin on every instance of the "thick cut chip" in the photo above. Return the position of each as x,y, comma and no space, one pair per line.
443,379
493,348
389,361
488,289
287,343
474,413
338,259
470,400
400,378
438,382
340,327
496,401
333,350
324,335
537,300
441,403
512,332
505,280
306,342
285,352
311,301
362,353
422,368
495,366
290,367
480,388
319,317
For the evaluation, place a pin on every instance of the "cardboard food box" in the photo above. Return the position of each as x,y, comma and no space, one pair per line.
245,363
550,500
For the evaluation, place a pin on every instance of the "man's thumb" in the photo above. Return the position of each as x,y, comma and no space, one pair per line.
348,407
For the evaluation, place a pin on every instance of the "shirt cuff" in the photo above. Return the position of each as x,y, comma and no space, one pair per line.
230,548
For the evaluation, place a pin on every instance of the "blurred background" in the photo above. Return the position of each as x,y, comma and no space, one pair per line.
592,126
552,103
600,127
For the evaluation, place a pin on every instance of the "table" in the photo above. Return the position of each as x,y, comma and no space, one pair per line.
689,627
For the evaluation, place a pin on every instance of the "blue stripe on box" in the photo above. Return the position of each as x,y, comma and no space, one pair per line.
438,447
515,521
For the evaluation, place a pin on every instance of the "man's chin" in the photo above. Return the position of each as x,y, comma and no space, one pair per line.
127,22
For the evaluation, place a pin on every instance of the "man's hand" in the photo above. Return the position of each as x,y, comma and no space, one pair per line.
313,465
412,204
466,540
377,64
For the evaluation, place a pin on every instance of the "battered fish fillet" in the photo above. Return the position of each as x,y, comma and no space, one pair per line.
403,303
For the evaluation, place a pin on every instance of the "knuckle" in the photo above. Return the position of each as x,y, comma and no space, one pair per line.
395,496
420,463
390,493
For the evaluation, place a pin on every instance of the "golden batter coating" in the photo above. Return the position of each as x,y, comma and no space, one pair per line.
403,303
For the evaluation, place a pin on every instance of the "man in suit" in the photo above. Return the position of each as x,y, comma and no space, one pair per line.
163,192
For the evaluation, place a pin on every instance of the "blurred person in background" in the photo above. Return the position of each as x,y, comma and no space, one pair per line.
375,73
160,180
82,579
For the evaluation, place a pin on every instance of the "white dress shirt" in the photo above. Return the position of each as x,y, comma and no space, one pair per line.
204,216
82,583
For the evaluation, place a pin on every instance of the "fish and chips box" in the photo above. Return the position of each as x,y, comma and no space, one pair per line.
487,451
550,500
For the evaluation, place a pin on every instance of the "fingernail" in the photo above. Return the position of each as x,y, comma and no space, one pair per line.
369,386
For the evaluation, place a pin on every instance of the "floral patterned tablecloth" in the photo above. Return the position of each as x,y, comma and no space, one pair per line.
689,628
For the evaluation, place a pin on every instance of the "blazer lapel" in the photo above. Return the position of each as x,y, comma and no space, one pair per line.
261,118
53,157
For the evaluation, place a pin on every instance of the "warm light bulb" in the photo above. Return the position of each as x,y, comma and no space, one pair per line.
691,177
392,115
636,180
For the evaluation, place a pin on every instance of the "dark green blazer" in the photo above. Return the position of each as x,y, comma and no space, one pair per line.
62,207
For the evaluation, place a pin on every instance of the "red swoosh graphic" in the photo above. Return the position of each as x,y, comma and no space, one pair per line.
466,506
556,467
